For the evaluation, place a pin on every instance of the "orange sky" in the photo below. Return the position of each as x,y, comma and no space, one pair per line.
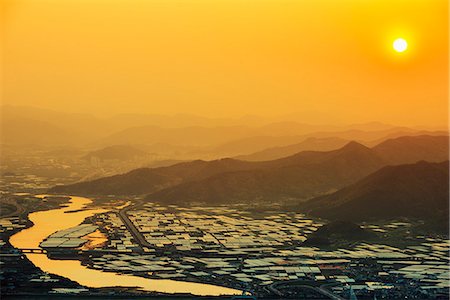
229,58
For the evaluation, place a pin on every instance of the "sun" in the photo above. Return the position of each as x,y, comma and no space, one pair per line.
400,45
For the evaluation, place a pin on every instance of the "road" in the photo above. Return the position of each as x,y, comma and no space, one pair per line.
130,226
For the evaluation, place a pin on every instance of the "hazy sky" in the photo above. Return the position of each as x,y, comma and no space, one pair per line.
229,57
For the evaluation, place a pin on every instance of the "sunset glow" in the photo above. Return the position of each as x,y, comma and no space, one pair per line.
400,45
262,149
230,58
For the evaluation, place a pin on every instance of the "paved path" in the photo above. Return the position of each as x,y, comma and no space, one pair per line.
137,235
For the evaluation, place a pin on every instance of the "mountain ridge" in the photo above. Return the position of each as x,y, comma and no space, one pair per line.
300,176
410,190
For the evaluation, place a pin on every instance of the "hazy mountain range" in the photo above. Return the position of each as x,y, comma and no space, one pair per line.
309,144
298,176
187,137
116,152
405,176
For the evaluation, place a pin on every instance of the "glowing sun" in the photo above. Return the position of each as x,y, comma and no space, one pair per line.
400,45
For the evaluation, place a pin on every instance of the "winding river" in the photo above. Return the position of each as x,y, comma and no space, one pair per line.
50,221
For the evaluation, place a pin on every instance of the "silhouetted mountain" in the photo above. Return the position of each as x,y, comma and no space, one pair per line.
163,163
410,149
401,133
298,176
348,163
254,143
181,134
241,139
338,232
262,142
414,190
310,144
146,180
301,176
116,152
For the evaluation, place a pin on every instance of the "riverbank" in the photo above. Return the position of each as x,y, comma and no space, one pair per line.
75,271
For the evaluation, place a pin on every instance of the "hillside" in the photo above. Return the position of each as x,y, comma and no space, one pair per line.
392,147
348,163
148,180
338,233
301,176
310,144
116,152
412,190
410,149
224,141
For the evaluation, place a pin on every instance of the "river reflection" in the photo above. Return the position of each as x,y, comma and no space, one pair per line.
48,222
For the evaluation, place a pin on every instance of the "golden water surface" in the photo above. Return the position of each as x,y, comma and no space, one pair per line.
48,222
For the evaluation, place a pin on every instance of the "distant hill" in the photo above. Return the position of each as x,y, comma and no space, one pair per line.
305,174
287,147
418,190
209,136
338,233
310,144
163,163
410,149
148,180
301,176
174,137
24,131
47,127
241,139
402,133
282,144
253,144
116,152
323,170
